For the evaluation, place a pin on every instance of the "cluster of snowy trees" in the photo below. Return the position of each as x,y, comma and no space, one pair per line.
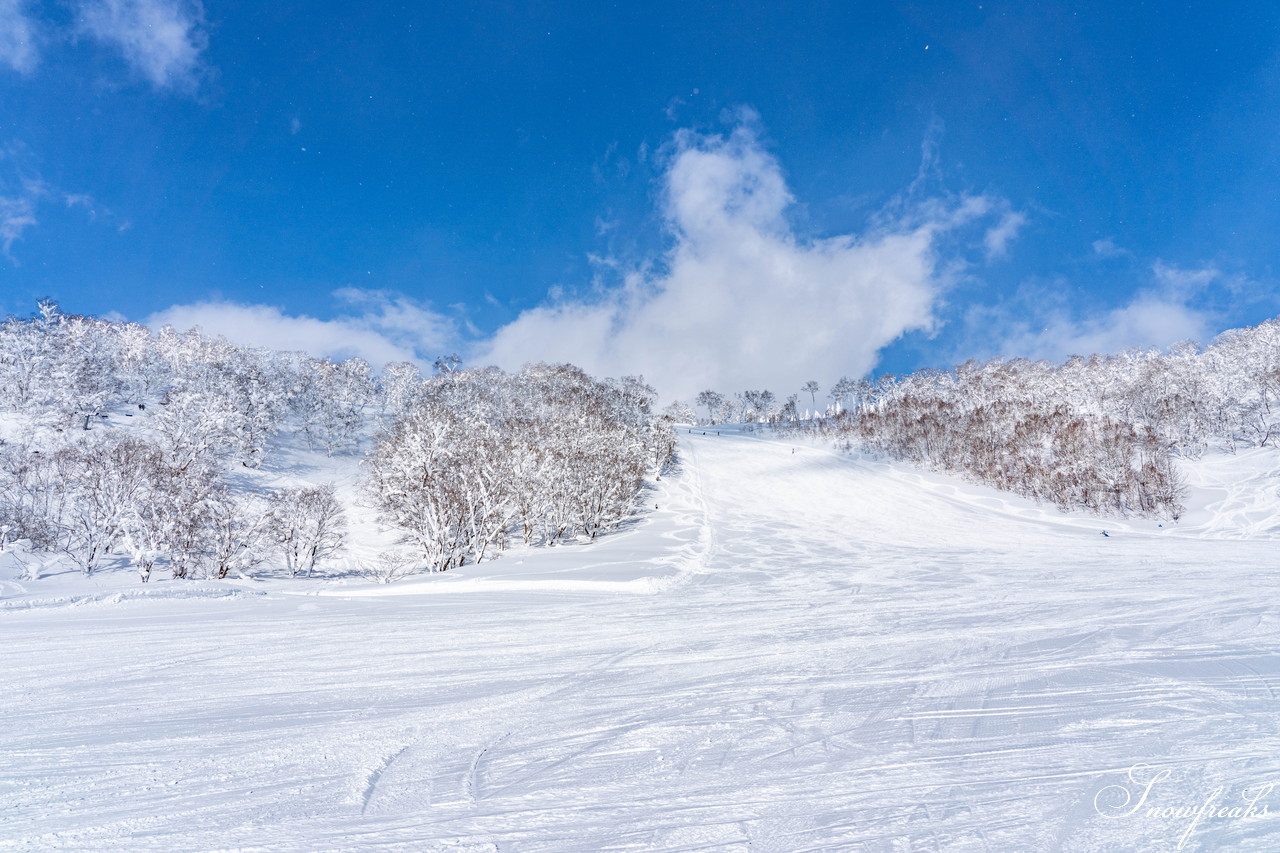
1098,432
765,406
104,493
477,457
746,407
75,483
125,438
1049,452
64,371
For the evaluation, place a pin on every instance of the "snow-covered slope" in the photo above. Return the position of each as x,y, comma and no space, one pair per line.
796,651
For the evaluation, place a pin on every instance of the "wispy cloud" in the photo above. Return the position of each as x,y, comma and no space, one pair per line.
17,214
378,326
22,190
930,169
997,238
741,300
162,40
1183,283
25,196
18,37
96,212
1107,248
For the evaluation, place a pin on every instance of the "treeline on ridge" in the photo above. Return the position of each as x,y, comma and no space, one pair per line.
1100,433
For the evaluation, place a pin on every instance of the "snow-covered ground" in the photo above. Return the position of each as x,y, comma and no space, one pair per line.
795,651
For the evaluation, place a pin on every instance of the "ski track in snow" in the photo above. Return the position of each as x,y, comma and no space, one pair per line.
797,651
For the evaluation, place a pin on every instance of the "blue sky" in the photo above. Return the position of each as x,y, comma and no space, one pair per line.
708,193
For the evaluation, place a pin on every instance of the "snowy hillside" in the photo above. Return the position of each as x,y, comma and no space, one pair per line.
795,650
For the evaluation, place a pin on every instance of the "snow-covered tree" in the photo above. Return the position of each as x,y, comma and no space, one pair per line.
812,388
103,492
308,524
712,401
330,401
238,532
678,412
399,385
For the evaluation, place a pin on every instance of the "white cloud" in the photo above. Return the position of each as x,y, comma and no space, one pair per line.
161,39
997,238
386,328
741,300
1170,310
18,31
1150,320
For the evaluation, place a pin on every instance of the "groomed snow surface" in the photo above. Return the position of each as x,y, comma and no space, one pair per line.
796,651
